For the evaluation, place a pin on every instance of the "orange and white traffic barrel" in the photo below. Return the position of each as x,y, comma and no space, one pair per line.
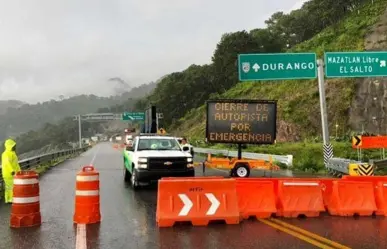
87,207
25,210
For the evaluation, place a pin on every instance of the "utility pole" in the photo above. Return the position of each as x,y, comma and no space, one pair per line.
323,105
80,131
327,146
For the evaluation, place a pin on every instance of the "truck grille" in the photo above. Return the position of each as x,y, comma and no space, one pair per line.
157,163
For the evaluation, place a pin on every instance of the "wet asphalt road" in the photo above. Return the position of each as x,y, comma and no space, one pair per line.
128,218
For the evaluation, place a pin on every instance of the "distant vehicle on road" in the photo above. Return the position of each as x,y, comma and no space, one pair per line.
179,139
154,156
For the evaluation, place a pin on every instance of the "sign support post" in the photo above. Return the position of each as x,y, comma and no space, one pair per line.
327,147
98,117
239,151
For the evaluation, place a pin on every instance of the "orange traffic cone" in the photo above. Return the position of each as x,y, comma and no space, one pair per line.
25,205
87,208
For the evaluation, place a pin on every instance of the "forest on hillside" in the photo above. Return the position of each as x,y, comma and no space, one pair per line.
51,122
30,117
180,92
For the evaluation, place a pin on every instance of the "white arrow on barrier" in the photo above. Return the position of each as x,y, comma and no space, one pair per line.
214,204
187,205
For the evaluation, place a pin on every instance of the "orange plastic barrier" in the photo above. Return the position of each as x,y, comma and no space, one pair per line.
87,201
299,197
352,197
380,188
256,198
193,177
25,205
381,198
197,201
326,184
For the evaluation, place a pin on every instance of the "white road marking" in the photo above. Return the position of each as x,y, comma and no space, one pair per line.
81,228
81,237
95,155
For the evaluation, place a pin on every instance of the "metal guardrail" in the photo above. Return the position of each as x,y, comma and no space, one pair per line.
287,159
45,158
380,164
339,166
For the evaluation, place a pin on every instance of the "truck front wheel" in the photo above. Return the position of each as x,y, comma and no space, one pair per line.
134,181
126,175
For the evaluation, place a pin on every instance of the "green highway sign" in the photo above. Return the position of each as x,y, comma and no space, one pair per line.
355,64
282,66
133,116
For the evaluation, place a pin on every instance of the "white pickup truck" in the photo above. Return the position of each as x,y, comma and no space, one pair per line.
155,156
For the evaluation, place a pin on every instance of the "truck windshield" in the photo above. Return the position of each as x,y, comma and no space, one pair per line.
158,144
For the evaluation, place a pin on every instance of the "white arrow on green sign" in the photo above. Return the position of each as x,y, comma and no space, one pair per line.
280,66
134,116
355,64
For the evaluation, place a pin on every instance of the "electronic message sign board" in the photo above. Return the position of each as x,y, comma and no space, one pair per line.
241,121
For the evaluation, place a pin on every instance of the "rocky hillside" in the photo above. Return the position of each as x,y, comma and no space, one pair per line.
368,108
350,102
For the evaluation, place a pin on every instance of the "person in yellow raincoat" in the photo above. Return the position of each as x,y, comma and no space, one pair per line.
10,166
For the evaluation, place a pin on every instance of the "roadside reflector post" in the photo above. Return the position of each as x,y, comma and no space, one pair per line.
25,210
87,200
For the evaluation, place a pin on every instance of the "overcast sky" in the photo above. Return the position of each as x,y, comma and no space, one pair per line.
54,47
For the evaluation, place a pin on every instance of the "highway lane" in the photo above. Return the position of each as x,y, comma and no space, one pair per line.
361,232
128,218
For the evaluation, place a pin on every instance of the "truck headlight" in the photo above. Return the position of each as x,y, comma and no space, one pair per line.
142,162
143,165
189,159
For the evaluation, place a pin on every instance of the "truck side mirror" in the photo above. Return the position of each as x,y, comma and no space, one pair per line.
185,148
